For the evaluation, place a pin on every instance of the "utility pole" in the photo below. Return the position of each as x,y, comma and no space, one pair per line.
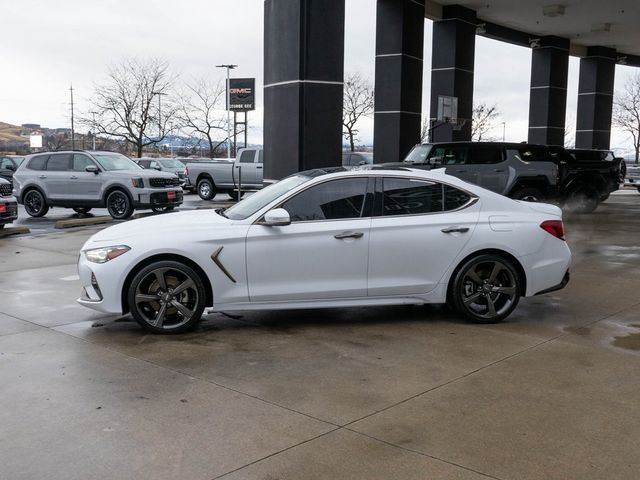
73,136
160,94
94,130
504,130
228,67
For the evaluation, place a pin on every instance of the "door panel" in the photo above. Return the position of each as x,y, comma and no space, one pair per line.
490,167
57,176
304,261
86,186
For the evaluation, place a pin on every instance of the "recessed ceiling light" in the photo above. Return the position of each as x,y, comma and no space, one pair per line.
553,10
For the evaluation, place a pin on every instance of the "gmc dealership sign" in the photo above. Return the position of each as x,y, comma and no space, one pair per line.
242,96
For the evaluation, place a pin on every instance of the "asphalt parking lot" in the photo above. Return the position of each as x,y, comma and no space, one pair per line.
375,393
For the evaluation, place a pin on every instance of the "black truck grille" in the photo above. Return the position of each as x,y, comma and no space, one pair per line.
164,182
5,189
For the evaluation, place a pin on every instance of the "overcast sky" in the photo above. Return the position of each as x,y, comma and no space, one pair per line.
47,45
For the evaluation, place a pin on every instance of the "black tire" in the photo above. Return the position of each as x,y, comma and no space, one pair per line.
35,203
638,189
119,205
162,209
234,195
486,289
582,199
148,296
82,210
206,189
1,226
528,194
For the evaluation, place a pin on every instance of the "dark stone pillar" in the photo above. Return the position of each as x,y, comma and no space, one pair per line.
548,95
454,42
398,95
303,78
595,98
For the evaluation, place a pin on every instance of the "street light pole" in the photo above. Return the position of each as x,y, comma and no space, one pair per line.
504,130
94,130
228,67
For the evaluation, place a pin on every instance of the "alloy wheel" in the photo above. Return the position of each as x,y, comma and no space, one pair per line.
167,298
489,289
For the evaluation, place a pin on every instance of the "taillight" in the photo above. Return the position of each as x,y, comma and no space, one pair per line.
3,208
554,227
186,171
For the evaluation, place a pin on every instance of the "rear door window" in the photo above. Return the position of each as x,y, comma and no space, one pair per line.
59,162
455,198
247,156
487,154
406,196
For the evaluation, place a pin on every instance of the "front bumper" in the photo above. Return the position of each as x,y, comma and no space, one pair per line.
168,198
10,212
101,284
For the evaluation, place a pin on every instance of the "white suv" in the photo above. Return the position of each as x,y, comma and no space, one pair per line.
85,179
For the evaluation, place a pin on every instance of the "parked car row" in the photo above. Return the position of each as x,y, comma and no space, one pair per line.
633,174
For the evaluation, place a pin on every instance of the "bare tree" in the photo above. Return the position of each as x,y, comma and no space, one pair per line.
483,119
134,103
201,112
357,103
626,111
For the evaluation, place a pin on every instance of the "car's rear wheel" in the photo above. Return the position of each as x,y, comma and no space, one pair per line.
528,194
486,289
167,297
119,205
35,204
82,210
206,189
582,199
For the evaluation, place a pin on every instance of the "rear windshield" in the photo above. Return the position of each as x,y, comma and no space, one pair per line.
115,161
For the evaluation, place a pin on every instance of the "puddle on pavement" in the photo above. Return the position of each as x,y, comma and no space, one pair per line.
628,342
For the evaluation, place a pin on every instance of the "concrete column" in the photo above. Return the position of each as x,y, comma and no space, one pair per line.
548,95
303,82
454,42
595,98
398,94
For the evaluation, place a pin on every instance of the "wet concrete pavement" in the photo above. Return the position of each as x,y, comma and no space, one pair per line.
377,393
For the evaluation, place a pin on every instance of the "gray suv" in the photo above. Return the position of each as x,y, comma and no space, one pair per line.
85,179
170,165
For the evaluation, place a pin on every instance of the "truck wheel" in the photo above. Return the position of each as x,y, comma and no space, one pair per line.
234,195
583,199
206,189
528,194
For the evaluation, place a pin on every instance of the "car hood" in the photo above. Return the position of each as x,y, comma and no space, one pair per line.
141,174
159,225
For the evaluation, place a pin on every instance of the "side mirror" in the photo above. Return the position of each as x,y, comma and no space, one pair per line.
92,169
436,160
11,167
278,217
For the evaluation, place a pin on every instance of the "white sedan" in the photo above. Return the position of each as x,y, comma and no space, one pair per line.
331,238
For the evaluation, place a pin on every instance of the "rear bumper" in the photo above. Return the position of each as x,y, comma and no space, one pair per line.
560,286
10,212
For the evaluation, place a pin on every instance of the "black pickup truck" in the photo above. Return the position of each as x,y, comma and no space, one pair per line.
587,177
524,171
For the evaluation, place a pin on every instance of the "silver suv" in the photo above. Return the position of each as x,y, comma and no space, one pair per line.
85,179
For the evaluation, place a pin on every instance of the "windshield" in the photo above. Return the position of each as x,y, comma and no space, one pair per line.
171,163
264,197
418,154
115,161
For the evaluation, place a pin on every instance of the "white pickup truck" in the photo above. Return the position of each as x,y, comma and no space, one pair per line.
231,177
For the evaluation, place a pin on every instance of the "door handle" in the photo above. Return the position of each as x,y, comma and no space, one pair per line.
73,177
260,166
341,236
42,176
455,230
498,170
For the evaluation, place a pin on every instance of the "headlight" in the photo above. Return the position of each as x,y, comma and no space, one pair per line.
103,255
137,182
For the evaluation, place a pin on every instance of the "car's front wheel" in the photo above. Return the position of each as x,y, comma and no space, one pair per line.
119,205
528,194
35,204
486,289
167,297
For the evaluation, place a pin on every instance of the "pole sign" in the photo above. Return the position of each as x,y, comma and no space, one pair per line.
242,94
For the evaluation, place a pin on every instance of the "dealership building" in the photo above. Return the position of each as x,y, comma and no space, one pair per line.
304,70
